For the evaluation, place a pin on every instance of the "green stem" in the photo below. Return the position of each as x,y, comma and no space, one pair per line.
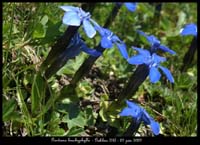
189,56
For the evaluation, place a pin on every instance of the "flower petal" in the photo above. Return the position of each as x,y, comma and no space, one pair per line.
122,49
89,51
126,112
89,29
137,59
71,52
97,27
154,75
155,127
106,43
142,33
115,39
167,73
146,53
131,6
71,18
74,47
189,29
157,59
166,49
107,33
69,8
131,104
136,110
153,40
146,117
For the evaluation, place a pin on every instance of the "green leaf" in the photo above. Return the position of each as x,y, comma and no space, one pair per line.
90,116
72,109
6,27
52,32
39,32
6,81
69,92
14,116
37,93
28,78
130,38
181,19
15,30
79,121
72,65
8,108
58,132
50,103
184,81
103,107
165,23
44,20
74,131
85,89
23,107
73,117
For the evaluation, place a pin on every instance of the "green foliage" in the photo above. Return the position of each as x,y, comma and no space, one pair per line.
9,107
34,106
37,93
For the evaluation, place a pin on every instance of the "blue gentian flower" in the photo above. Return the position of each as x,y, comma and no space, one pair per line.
75,16
140,114
77,45
108,39
130,6
155,43
153,61
189,29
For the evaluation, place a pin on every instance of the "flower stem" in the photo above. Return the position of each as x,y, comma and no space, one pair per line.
189,56
112,15
133,127
59,47
138,77
157,13
85,67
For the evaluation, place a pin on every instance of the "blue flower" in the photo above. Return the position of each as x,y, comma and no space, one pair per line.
75,16
155,43
108,39
130,6
77,45
189,29
153,61
140,114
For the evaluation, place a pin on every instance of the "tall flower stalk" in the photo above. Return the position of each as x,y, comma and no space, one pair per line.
189,29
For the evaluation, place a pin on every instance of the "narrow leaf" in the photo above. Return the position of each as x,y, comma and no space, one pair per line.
37,93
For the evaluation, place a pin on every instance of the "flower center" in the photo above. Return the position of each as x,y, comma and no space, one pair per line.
150,61
109,34
83,15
